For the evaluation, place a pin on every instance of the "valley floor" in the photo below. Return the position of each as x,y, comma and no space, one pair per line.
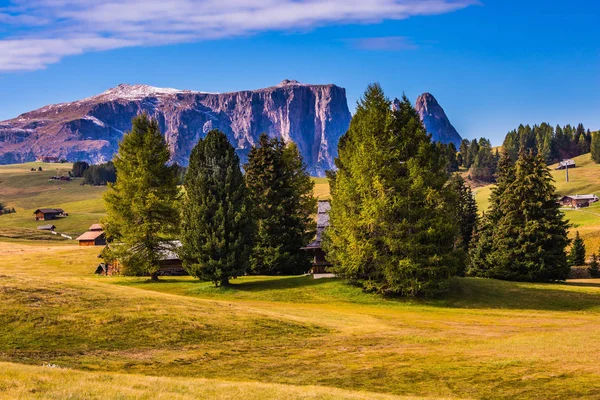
65,333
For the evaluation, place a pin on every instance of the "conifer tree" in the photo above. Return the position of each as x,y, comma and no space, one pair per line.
526,233
577,253
465,214
282,203
594,269
391,229
596,147
141,205
216,226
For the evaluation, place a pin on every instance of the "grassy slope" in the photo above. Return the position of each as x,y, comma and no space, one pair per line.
585,179
26,190
487,339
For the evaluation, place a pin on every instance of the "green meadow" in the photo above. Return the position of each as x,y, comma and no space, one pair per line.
66,333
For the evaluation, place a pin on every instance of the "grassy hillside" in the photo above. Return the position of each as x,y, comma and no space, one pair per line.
287,337
585,179
26,191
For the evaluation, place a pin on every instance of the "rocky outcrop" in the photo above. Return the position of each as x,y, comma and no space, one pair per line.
312,116
435,120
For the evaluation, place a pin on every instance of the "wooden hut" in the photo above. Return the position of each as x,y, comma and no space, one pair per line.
92,238
319,263
169,265
578,200
96,227
45,214
48,227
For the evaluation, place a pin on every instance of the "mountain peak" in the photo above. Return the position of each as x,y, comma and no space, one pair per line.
436,121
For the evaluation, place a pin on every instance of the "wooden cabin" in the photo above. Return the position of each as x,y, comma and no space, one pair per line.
92,238
46,228
320,263
564,164
46,214
169,265
578,200
96,227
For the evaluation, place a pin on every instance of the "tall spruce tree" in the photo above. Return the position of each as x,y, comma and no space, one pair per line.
577,253
216,226
526,233
465,213
282,204
392,229
595,147
141,205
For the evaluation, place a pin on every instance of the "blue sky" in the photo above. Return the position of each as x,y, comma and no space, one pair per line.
491,64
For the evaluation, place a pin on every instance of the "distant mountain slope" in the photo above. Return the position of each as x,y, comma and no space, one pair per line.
312,116
435,120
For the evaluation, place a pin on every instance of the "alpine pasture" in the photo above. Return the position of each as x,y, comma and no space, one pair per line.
67,333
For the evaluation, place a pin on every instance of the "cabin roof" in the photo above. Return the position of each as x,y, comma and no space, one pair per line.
322,222
581,196
91,235
96,227
168,250
49,210
48,227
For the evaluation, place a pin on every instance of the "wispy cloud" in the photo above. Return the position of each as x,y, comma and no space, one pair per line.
385,43
42,32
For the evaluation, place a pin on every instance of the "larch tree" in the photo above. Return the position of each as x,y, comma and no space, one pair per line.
216,226
141,205
282,205
391,229
465,213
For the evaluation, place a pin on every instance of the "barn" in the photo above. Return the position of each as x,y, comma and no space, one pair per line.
46,214
48,227
92,238
319,263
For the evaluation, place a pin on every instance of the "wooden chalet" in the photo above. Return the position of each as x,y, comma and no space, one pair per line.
578,200
46,214
96,227
46,228
319,263
170,263
92,238
566,164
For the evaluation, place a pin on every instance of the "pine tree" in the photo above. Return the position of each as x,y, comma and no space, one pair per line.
281,200
79,167
465,214
216,228
528,232
391,229
594,269
596,147
577,253
141,204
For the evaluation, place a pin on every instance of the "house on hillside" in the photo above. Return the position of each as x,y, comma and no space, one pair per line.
170,264
47,159
566,164
45,214
319,262
95,236
578,200
46,228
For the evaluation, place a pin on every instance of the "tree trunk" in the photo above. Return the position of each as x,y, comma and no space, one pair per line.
154,276
225,282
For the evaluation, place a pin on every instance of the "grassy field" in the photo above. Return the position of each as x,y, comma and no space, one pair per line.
284,337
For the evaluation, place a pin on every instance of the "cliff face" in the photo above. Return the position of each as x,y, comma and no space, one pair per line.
312,116
435,120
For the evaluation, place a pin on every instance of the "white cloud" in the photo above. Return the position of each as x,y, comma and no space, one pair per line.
49,30
387,43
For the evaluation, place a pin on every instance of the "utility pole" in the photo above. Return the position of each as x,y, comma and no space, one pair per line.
567,169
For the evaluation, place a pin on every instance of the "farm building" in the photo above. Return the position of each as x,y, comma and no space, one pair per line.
319,262
170,263
92,238
45,214
578,200
566,164
95,227
46,228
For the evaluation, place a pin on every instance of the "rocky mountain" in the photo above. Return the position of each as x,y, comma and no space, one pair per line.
312,116
435,120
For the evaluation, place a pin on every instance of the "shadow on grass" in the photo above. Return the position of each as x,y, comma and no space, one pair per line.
586,283
476,293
